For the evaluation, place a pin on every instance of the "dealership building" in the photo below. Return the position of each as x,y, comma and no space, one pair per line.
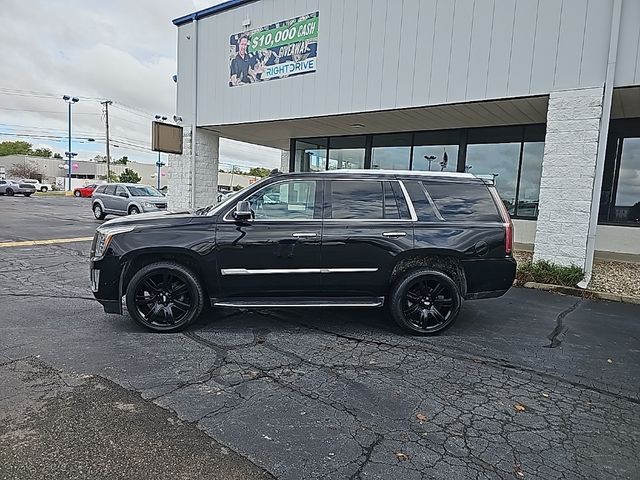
543,96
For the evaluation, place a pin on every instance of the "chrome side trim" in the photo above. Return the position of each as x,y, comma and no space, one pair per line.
412,209
394,234
272,271
377,303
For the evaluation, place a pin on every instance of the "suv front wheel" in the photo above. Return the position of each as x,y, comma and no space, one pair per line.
165,297
424,301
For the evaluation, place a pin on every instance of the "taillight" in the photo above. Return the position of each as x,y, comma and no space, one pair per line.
506,218
508,237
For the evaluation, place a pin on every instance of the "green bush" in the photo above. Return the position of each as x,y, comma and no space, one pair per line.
546,272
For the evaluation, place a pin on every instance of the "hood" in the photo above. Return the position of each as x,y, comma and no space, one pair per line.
177,217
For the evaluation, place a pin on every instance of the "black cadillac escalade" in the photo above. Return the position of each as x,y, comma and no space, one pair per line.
419,242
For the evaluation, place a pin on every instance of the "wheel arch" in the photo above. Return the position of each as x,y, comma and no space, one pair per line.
445,261
136,259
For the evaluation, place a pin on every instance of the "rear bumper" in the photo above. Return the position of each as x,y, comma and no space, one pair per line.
24,190
489,278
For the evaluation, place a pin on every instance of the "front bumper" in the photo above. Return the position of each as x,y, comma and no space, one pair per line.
106,275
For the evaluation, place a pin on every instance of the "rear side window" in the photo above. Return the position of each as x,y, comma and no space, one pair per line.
463,202
110,190
100,189
365,200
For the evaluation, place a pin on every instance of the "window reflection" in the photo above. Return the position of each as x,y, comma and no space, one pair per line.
435,158
627,202
390,158
500,161
529,191
357,199
311,156
346,158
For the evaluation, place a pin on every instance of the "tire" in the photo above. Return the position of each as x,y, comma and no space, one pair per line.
44,189
425,302
9,192
98,212
165,297
134,210
77,193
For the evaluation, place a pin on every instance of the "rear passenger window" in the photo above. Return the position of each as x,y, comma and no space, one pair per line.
110,190
361,199
469,202
100,189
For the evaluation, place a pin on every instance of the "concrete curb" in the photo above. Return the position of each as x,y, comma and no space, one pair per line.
578,292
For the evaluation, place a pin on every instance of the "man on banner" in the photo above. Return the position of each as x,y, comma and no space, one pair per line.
244,68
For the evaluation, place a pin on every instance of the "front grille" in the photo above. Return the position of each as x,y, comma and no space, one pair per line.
27,185
161,205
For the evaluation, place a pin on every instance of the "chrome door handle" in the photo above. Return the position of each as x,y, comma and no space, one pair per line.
394,234
304,234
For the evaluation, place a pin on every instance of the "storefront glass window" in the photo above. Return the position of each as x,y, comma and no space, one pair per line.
627,201
311,155
435,158
500,161
530,174
391,151
346,152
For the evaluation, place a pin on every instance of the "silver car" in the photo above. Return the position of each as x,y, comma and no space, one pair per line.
11,187
126,199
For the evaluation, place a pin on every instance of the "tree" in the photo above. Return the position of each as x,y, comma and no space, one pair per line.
129,176
27,169
100,159
122,161
237,187
111,178
14,148
57,155
41,152
259,172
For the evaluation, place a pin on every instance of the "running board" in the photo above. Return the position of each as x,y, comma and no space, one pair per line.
270,302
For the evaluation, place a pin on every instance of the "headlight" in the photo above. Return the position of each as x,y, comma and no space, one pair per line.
105,236
148,205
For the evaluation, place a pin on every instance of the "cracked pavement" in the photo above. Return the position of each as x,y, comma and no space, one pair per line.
531,385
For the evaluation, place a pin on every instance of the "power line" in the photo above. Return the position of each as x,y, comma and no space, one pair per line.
45,111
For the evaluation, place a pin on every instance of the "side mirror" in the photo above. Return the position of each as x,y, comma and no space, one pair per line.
124,195
243,211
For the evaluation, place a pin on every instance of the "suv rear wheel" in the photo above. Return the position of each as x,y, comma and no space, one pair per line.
165,297
425,302
134,210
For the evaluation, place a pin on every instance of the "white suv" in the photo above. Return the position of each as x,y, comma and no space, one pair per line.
40,187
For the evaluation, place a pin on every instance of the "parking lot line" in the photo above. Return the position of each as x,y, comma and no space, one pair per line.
53,241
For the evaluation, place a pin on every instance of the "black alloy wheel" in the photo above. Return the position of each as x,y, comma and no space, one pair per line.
165,297
9,192
425,302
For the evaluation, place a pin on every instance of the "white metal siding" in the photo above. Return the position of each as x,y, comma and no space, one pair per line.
385,54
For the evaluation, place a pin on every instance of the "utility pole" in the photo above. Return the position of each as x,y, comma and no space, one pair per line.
106,104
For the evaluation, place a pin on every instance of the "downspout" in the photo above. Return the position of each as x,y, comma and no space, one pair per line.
194,36
602,142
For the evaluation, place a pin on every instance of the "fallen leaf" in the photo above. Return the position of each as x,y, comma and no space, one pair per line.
421,418
402,456
545,395
518,472
609,360
519,407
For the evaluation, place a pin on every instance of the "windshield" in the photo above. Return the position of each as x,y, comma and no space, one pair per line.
144,191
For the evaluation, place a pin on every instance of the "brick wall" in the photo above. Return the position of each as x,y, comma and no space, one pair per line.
179,170
568,171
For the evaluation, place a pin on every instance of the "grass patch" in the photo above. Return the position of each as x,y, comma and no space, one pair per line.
546,272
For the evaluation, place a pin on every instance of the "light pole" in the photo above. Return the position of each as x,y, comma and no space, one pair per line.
430,158
70,101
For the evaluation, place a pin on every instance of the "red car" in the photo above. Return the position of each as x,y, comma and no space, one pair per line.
85,191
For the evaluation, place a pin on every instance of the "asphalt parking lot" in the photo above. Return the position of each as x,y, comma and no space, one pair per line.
531,385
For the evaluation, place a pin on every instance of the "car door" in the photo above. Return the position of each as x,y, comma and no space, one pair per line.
276,253
109,199
121,199
367,224
3,186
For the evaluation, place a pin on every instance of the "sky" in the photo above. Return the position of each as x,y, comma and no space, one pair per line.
121,50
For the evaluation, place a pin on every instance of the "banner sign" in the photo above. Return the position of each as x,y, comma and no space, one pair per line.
278,50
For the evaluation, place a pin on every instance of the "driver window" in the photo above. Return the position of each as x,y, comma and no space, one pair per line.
285,200
120,190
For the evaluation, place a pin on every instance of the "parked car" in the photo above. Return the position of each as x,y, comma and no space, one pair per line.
40,187
85,191
11,187
420,242
126,199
